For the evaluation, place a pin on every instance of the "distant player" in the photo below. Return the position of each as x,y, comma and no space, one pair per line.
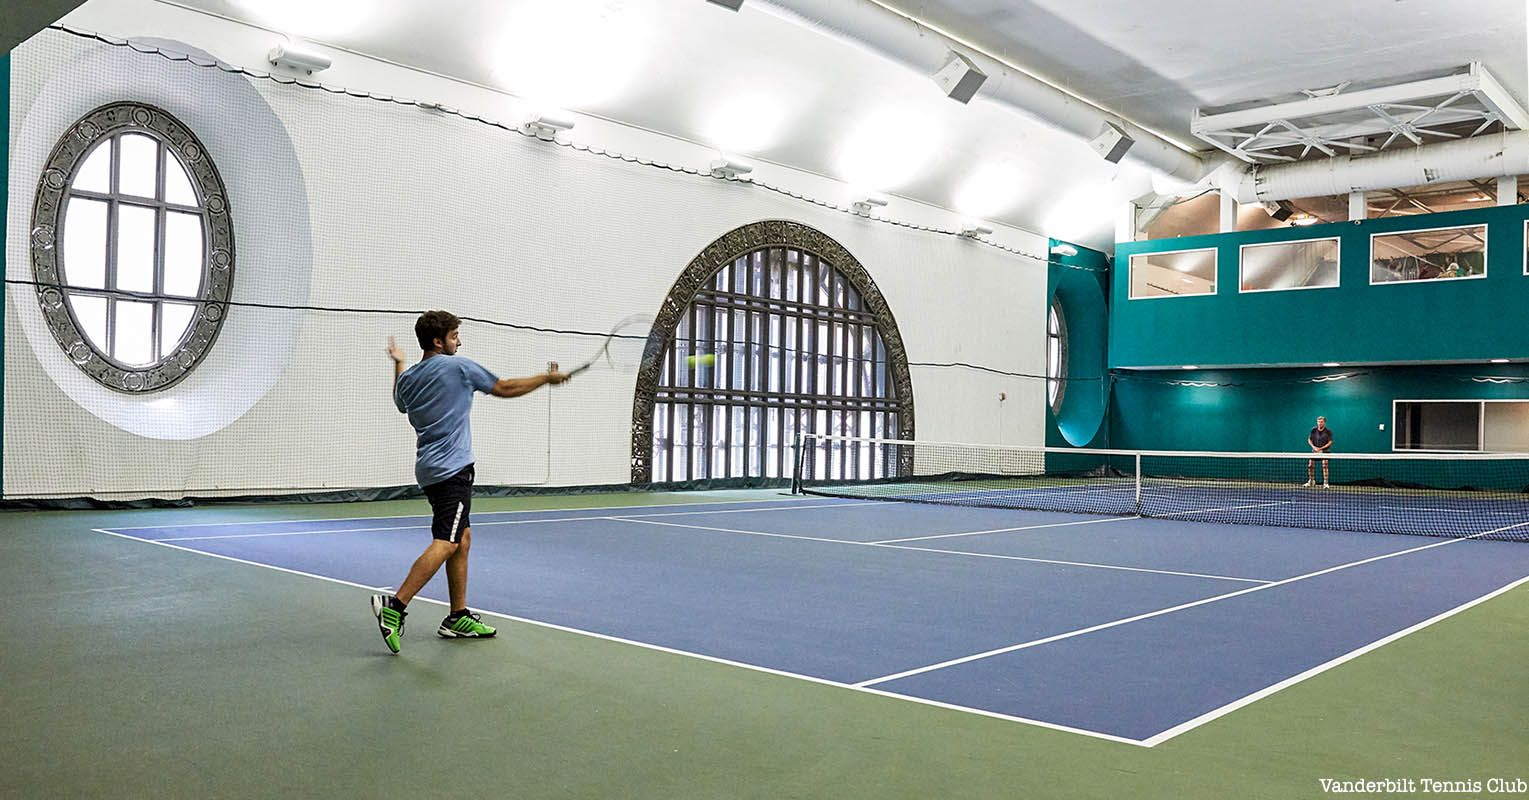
1321,441
437,394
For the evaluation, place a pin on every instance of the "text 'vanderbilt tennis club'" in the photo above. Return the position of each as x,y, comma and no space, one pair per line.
1425,786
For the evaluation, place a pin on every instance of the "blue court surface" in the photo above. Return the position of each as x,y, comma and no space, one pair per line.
1124,628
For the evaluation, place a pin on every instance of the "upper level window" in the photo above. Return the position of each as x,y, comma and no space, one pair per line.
133,248
1526,247
1493,426
1184,272
1435,254
1307,264
1056,354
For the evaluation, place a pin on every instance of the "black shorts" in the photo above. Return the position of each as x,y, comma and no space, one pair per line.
451,501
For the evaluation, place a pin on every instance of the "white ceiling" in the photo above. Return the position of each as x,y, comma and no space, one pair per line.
758,85
1155,62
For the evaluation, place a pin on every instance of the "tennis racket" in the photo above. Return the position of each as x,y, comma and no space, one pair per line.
623,346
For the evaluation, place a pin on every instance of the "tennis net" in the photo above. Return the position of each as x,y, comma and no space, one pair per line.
1429,494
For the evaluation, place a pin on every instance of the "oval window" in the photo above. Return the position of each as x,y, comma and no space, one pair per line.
132,247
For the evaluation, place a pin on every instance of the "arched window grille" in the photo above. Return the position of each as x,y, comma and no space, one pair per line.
773,342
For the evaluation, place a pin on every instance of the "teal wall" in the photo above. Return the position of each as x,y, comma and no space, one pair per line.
1437,321
1272,410
1256,389
1081,283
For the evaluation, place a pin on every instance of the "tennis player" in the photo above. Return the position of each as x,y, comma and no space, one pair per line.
437,394
1321,441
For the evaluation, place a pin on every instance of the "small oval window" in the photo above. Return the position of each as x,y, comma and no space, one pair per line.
1056,355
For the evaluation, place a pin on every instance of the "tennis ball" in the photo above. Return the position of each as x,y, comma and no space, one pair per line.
705,360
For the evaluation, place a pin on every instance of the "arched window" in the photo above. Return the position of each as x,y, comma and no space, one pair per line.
1056,355
133,248
772,332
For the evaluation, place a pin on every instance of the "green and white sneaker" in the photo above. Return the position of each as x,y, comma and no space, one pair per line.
465,626
389,621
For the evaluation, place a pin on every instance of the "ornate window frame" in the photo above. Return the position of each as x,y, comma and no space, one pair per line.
48,220
722,253
1056,368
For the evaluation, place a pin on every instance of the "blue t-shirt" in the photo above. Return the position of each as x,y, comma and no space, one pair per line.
437,394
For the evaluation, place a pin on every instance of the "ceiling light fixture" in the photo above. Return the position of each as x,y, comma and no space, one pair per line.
1499,361
1279,210
959,78
1330,364
1304,219
865,206
972,230
545,126
731,168
1189,366
1063,249
1112,142
291,57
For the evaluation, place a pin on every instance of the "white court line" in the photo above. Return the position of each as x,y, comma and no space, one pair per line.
662,649
283,533
1084,522
975,492
1073,563
1084,564
427,516
1162,611
480,524
1414,508
1001,530
1226,508
1185,727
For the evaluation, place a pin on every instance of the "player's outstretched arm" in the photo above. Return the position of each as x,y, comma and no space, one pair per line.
515,387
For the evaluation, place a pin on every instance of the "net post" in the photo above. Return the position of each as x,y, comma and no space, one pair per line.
1138,483
796,472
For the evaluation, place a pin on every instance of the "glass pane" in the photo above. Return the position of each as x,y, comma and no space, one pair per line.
183,254
1290,265
95,173
1438,426
1505,427
178,184
135,333
135,248
1183,273
172,326
1429,255
139,166
91,313
85,243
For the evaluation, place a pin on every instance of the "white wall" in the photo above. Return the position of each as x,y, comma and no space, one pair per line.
346,201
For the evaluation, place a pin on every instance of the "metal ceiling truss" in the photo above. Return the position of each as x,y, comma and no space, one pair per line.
1460,105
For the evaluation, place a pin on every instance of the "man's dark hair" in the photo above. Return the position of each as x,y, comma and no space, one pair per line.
433,325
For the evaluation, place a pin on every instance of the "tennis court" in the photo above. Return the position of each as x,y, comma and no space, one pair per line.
1124,628
884,399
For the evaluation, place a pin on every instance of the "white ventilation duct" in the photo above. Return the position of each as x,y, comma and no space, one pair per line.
891,35
1476,158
